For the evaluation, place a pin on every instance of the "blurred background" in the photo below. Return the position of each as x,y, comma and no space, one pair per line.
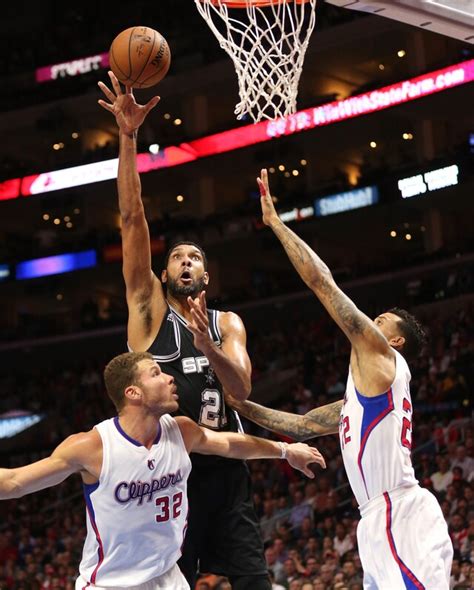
384,197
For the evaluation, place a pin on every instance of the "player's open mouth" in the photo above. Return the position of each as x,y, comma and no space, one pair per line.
186,277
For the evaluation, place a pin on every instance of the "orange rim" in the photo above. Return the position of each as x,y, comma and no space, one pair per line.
258,3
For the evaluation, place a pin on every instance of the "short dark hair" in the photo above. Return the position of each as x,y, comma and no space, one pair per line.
412,331
186,243
120,373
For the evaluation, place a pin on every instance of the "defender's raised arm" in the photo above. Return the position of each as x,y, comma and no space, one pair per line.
361,330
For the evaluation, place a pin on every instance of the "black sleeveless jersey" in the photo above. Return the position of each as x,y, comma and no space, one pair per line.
201,396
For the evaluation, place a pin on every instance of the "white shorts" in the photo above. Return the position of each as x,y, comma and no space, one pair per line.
404,542
173,579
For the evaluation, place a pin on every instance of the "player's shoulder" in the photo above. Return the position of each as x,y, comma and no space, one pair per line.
190,431
80,446
229,322
83,439
183,422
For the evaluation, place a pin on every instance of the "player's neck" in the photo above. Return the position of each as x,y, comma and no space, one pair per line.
141,428
180,304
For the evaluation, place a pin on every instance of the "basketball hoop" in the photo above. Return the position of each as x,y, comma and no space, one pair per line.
267,41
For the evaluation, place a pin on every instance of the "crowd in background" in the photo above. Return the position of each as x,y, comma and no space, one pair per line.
309,526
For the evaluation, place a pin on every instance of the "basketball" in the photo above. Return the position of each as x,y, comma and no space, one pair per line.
140,57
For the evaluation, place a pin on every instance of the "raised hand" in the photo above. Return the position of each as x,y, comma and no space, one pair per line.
128,114
199,325
301,456
268,208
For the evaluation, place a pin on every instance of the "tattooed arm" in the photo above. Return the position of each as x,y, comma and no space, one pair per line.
317,422
360,329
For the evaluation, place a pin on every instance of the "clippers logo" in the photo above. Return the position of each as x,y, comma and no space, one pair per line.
151,464
127,491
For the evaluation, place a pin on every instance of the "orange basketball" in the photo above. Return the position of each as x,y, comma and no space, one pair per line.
140,57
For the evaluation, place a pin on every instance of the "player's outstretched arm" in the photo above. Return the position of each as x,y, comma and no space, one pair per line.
317,422
142,286
360,329
66,459
243,446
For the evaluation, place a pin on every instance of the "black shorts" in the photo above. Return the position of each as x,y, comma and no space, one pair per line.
223,535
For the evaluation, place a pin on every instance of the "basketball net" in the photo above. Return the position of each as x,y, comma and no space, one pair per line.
267,41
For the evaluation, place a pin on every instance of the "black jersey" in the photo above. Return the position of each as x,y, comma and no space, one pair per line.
201,396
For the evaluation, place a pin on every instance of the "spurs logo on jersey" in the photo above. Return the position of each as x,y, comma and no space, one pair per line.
200,392
375,434
194,365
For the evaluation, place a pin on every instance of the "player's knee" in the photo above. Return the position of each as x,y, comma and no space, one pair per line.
250,582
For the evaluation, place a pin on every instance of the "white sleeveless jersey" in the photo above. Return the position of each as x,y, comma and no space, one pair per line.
375,435
136,513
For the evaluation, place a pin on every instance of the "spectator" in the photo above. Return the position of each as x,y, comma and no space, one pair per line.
463,461
443,477
342,541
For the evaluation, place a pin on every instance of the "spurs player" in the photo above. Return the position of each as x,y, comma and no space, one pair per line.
402,536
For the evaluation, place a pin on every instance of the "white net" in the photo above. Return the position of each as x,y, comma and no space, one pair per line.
267,41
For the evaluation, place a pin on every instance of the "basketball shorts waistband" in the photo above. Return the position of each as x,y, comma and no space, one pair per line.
378,502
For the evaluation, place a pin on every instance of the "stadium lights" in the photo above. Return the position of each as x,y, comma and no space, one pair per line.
154,148
180,198
46,216
401,53
373,144
233,139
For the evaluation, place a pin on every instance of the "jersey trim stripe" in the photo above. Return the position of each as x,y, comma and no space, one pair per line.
132,440
215,321
88,489
374,411
167,358
409,578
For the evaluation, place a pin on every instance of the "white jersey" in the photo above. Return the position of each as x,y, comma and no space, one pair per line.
375,435
136,513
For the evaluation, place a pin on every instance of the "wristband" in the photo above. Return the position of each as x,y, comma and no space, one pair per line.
284,449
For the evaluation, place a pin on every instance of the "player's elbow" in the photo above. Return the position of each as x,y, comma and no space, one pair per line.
132,217
11,489
320,279
242,393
